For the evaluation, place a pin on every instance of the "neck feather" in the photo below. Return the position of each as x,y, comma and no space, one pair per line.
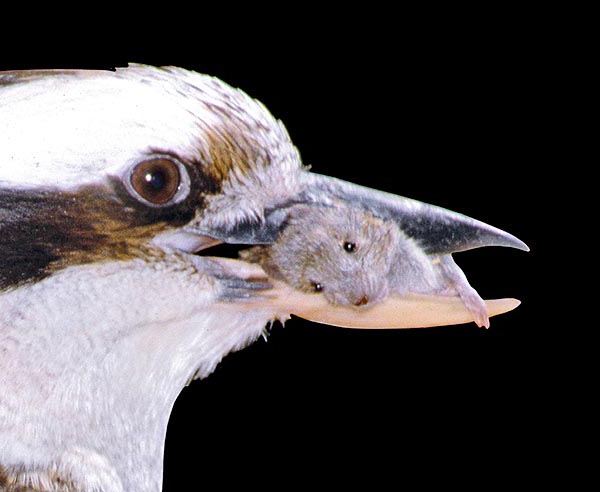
93,359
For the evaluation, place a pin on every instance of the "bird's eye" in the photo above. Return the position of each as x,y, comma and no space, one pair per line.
156,180
317,286
349,247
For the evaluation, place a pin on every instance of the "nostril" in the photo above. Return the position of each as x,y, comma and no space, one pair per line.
362,301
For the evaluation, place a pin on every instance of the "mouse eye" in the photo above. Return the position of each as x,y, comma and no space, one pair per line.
317,286
349,247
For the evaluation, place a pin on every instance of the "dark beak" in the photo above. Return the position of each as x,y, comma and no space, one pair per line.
437,230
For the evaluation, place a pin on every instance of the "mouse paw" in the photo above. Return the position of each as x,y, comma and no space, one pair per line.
457,281
476,306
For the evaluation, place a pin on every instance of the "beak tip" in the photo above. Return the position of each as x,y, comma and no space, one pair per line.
522,246
511,241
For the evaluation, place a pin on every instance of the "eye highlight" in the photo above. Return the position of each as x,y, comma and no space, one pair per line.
156,180
349,247
317,286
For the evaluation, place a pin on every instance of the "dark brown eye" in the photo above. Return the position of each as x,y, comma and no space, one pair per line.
317,286
156,180
349,247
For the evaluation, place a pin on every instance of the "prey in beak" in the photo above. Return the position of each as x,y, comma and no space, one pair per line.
376,260
356,259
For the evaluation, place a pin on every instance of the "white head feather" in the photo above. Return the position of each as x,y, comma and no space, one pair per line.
60,130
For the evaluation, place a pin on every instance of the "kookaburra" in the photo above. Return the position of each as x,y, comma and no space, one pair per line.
111,183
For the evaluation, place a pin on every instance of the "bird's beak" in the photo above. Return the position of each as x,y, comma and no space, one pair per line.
438,231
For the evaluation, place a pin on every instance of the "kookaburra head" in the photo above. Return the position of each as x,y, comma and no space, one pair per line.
110,184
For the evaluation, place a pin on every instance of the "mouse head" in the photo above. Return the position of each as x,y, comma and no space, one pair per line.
342,253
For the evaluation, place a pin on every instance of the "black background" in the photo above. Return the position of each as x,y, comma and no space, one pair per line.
446,110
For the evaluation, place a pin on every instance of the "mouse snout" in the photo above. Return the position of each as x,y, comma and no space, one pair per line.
368,296
362,300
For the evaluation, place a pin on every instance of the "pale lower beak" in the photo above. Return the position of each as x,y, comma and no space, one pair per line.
410,311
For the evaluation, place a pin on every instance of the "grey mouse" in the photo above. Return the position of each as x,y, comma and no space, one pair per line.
354,258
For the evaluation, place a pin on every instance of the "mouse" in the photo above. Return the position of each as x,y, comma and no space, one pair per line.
354,258
342,254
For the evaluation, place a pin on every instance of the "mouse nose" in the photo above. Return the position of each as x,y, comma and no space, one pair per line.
362,301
